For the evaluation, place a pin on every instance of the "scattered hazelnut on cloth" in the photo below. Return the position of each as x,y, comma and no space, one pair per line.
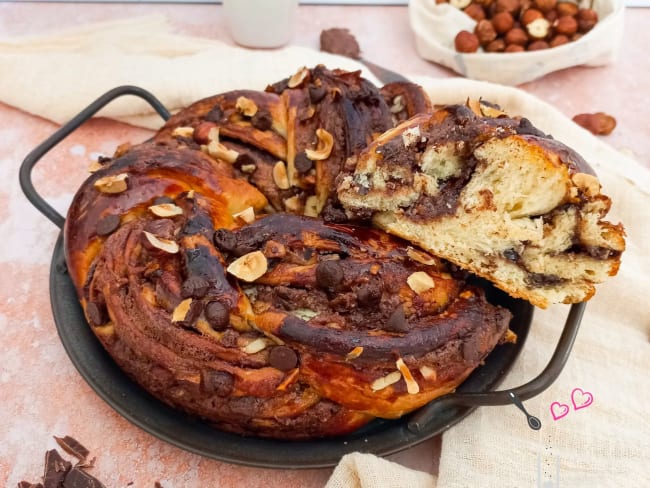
599,123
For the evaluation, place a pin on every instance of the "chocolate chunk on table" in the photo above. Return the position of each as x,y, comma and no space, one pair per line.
340,41
56,469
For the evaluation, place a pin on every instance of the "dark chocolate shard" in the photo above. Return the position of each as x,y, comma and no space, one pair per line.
55,469
27,484
76,478
73,447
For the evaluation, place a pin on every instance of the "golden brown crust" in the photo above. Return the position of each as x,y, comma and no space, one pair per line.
495,196
318,344
311,122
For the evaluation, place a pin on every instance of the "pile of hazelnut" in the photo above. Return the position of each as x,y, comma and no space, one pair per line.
522,25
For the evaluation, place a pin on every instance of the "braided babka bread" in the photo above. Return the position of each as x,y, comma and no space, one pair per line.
292,141
282,325
218,266
493,195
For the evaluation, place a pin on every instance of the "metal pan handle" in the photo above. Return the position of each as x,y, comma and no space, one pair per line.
33,157
426,414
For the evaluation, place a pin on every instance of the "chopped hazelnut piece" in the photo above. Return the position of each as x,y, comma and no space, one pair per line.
324,147
420,256
420,282
411,385
249,267
297,78
247,215
311,206
589,184
112,184
246,106
218,150
163,244
354,353
166,210
181,310
280,177
183,132
256,346
428,373
386,381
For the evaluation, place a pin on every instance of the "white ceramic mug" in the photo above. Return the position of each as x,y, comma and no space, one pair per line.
261,23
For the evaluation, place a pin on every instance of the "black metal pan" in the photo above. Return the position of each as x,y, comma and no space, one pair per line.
380,437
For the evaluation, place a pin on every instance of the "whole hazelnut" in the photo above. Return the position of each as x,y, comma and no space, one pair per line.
466,42
538,45
514,48
587,19
502,22
516,37
551,16
475,11
539,28
510,6
566,8
485,32
576,37
558,40
545,5
566,25
530,15
496,46
599,123
484,3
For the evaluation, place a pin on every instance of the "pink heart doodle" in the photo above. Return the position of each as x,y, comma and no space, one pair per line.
561,409
581,399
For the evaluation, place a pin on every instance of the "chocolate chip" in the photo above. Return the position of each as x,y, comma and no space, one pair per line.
329,274
262,120
302,163
195,287
218,382
527,128
225,240
316,93
283,358
217,315
244,159
397,321
369,293
511,255
214,115
163,200
107,225
96,313
76,478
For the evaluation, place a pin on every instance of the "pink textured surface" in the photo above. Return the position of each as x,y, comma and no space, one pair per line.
42,394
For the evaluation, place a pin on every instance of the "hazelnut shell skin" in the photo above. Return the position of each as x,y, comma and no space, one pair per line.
466,42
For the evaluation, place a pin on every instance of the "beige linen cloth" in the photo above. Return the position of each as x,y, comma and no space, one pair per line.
604,444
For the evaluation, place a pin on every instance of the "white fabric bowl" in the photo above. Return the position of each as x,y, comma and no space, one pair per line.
436,25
